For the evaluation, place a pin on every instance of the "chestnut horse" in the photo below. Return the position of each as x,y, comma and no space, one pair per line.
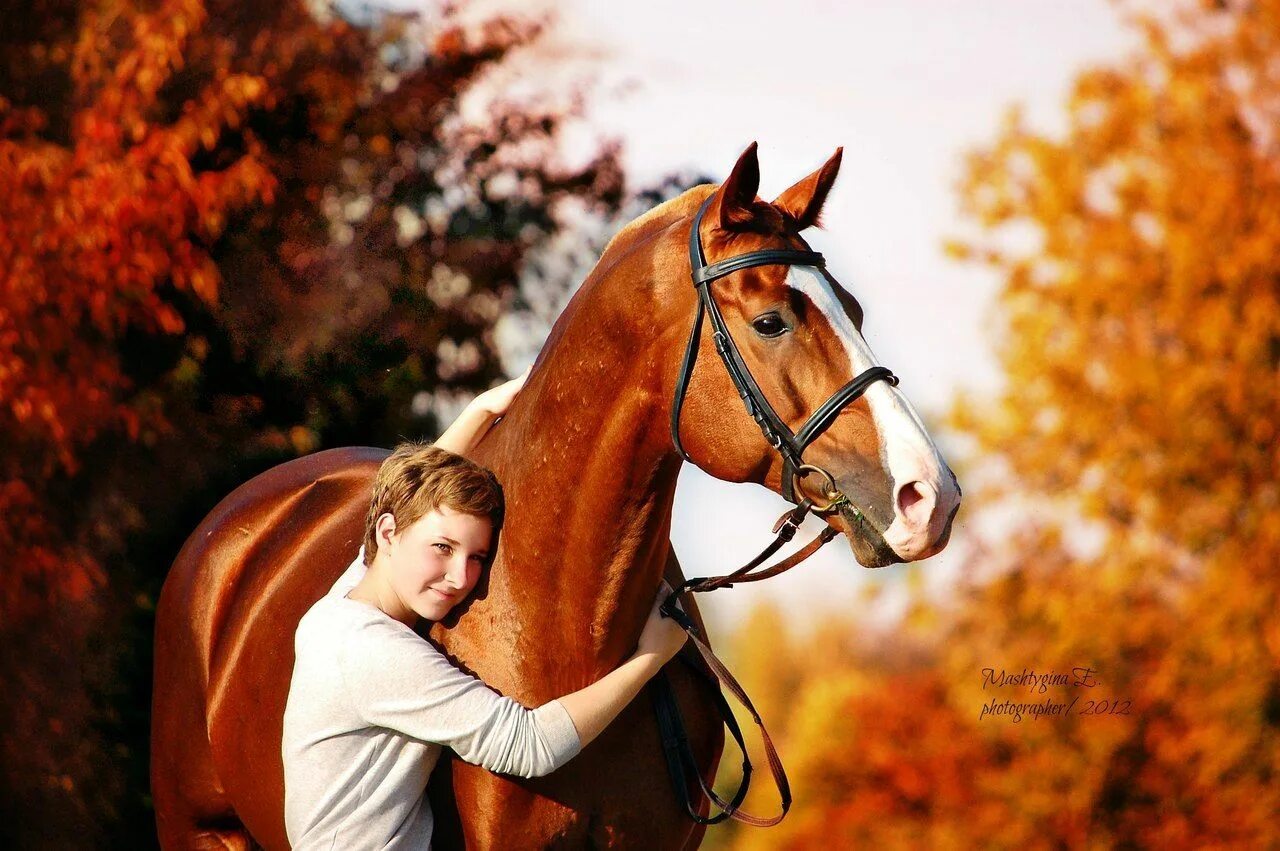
589,471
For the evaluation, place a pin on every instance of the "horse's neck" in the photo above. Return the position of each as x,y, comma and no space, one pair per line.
589,475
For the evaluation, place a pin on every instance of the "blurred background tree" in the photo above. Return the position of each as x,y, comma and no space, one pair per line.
233,234
1128,474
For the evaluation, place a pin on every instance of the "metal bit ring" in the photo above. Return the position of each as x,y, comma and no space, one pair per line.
829,490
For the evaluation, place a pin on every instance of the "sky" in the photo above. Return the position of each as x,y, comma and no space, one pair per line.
906,88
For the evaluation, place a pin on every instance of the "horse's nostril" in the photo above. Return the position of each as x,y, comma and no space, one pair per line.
915,503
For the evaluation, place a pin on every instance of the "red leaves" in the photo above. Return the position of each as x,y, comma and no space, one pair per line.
96,232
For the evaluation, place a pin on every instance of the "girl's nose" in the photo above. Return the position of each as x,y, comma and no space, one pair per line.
457,572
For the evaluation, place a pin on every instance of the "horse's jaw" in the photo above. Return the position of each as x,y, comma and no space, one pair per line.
865,540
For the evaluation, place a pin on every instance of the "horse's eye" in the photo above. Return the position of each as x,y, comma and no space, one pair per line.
769,325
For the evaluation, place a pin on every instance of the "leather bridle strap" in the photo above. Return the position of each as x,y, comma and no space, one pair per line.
784,530
785,256
771,425
825,415
681,760
680,757
775,431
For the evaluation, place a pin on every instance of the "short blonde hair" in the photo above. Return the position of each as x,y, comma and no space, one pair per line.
419,477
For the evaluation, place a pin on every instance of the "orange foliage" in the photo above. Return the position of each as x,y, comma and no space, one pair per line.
1134,454
233,233
97,234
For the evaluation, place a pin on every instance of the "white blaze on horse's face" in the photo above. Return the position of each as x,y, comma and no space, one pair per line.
925,492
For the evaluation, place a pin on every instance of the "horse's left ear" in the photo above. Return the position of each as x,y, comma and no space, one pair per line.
803,202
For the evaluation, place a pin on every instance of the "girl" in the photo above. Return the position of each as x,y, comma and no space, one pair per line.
371,703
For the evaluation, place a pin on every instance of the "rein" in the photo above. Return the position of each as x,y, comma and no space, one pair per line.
675,741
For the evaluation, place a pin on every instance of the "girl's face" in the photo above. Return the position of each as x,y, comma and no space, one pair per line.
435,561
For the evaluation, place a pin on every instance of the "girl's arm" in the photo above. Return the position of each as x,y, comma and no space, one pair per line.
594,707
394,679
480,414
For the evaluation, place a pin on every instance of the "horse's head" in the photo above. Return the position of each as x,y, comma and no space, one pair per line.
799,334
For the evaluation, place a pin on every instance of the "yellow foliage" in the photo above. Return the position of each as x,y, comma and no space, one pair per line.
1140,255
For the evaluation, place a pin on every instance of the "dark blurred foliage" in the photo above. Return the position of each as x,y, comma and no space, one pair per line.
233,233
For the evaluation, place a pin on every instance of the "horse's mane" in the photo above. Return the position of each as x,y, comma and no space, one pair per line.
652,221
641,229
765,219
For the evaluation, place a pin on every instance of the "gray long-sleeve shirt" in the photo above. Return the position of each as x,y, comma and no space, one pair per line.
370,706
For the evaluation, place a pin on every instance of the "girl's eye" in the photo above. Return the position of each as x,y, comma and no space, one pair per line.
769,325
445,549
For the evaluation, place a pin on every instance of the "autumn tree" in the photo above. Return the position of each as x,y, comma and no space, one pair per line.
1131,460
233,233
1142,355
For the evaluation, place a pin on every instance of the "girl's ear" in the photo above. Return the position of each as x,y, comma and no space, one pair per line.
384,529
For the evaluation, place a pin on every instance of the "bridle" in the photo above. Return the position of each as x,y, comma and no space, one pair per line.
779,436
681,761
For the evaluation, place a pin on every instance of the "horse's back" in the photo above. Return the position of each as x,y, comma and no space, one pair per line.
224,633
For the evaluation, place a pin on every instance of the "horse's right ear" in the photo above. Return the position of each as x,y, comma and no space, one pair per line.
738,191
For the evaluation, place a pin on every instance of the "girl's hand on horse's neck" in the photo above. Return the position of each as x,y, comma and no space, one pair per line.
480,414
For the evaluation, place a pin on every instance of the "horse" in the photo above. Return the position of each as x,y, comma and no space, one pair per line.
589,471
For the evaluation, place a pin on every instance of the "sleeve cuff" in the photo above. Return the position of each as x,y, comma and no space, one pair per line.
557,727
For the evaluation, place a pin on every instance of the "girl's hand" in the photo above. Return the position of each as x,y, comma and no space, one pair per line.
497,399
466,432
661,636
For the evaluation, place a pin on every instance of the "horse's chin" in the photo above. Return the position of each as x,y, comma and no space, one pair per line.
866,541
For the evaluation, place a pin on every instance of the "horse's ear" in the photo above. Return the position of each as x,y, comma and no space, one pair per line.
802,203
738,191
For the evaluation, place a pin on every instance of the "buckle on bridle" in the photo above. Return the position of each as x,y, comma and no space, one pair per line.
788,524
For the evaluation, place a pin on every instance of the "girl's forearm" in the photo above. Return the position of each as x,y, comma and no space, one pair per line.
465,432
594,707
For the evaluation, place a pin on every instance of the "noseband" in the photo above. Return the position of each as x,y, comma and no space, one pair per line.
790,445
